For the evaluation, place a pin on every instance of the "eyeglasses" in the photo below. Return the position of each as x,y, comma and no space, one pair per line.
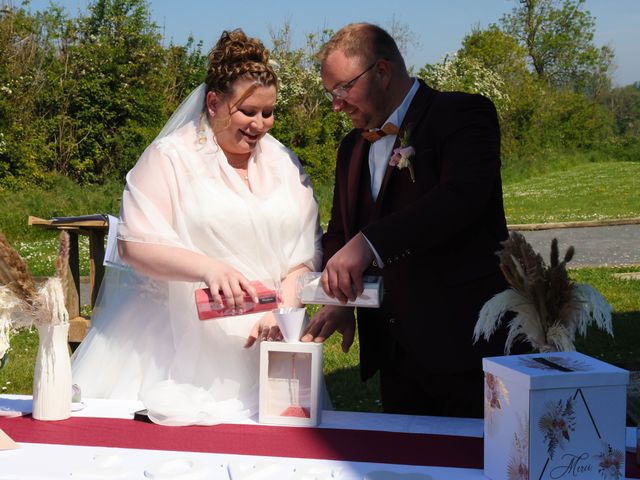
341,91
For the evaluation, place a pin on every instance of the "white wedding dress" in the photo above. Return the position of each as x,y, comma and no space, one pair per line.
146,340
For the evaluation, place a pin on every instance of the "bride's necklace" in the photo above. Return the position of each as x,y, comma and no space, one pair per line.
242,169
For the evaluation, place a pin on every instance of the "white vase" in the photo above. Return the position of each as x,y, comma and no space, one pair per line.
52,376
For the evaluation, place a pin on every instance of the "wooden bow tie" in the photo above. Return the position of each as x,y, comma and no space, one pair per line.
375,135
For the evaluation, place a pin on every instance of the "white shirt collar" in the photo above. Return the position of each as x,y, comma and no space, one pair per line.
397,116
380,151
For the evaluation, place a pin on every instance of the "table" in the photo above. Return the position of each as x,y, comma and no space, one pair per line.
95,227
102,441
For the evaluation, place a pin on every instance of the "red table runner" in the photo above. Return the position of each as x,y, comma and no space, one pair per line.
301,442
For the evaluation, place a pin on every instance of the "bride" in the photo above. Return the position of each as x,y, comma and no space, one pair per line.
213,202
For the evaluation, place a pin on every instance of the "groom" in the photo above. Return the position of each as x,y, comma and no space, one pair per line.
429,220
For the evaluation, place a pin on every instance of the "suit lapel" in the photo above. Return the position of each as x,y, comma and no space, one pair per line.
359,154
419,105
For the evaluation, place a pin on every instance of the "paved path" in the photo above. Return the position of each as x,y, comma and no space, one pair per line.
595,246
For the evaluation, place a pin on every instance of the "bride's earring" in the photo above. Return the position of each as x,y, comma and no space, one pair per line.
212,99
212,110
208,116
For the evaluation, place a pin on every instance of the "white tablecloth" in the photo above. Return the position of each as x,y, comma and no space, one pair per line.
40,461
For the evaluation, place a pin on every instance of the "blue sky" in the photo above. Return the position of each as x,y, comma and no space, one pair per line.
437,25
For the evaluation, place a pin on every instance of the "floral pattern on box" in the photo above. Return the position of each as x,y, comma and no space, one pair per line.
610,463
518,467
557,423
495,396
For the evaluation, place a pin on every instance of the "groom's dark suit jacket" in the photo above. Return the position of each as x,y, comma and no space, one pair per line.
437,236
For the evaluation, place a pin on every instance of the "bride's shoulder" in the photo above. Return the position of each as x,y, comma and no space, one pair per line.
184,137
283,162
277,152
165,152
171,148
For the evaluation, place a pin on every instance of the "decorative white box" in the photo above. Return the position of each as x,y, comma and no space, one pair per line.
290,383
557,415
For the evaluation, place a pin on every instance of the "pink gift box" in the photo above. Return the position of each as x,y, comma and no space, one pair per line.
267,301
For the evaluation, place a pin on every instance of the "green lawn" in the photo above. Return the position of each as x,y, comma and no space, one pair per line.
586,192
592,191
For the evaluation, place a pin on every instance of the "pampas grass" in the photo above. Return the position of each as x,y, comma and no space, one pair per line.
21,304
549,308
62,262
14,273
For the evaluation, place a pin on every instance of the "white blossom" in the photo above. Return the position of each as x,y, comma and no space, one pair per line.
466,74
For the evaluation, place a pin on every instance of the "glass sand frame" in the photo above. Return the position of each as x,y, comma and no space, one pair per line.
290,383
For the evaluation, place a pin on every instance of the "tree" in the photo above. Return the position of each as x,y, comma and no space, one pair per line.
497,51
566,120
115,93
185,68
466,74
624,103
558,38
83,96
28,52
305,121
500,53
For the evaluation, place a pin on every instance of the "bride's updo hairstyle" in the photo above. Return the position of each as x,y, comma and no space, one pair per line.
236,57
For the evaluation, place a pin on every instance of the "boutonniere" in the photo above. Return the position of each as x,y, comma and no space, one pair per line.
402,157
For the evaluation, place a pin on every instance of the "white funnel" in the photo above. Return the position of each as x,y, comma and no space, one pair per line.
292,322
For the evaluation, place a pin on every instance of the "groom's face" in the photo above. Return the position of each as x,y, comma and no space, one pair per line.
364,101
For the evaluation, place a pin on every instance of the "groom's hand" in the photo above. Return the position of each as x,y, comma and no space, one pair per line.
329,319
342,277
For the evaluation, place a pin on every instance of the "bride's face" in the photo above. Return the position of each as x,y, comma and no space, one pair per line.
241,119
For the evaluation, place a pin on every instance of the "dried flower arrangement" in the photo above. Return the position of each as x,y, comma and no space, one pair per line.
549,308
21,303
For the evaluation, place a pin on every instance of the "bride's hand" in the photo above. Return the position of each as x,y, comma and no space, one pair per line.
265,329
225,280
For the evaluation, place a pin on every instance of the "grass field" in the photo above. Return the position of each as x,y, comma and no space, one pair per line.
593,191
585,192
